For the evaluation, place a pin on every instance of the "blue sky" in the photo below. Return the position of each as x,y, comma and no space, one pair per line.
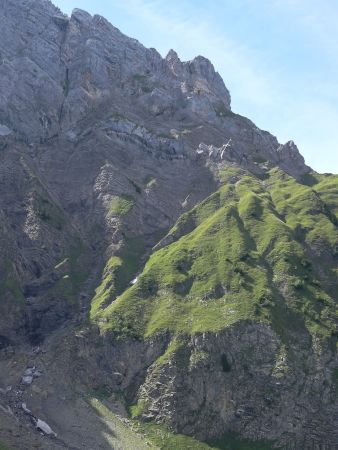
278,58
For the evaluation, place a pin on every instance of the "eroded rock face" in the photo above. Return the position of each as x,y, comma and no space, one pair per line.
243,379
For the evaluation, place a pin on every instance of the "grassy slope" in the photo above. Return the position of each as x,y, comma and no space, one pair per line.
257,250
134,434
120,435
117,274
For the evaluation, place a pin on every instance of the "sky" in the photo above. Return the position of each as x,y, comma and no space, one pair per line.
278,58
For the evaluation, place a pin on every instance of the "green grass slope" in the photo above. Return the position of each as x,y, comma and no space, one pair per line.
260,250
132,435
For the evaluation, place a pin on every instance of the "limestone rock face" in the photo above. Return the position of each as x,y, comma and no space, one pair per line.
60,70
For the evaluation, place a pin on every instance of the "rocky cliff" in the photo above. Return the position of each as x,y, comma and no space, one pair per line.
162,258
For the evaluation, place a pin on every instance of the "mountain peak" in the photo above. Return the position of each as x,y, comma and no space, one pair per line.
290,159
81,16
172,56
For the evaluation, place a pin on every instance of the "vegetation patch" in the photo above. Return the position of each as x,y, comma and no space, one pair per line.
117,275
178,351
119,206
164,439
131,435
138,409
250,251
122,435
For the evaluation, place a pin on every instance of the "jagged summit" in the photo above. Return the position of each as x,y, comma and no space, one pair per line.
85,62
79,67
172,56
